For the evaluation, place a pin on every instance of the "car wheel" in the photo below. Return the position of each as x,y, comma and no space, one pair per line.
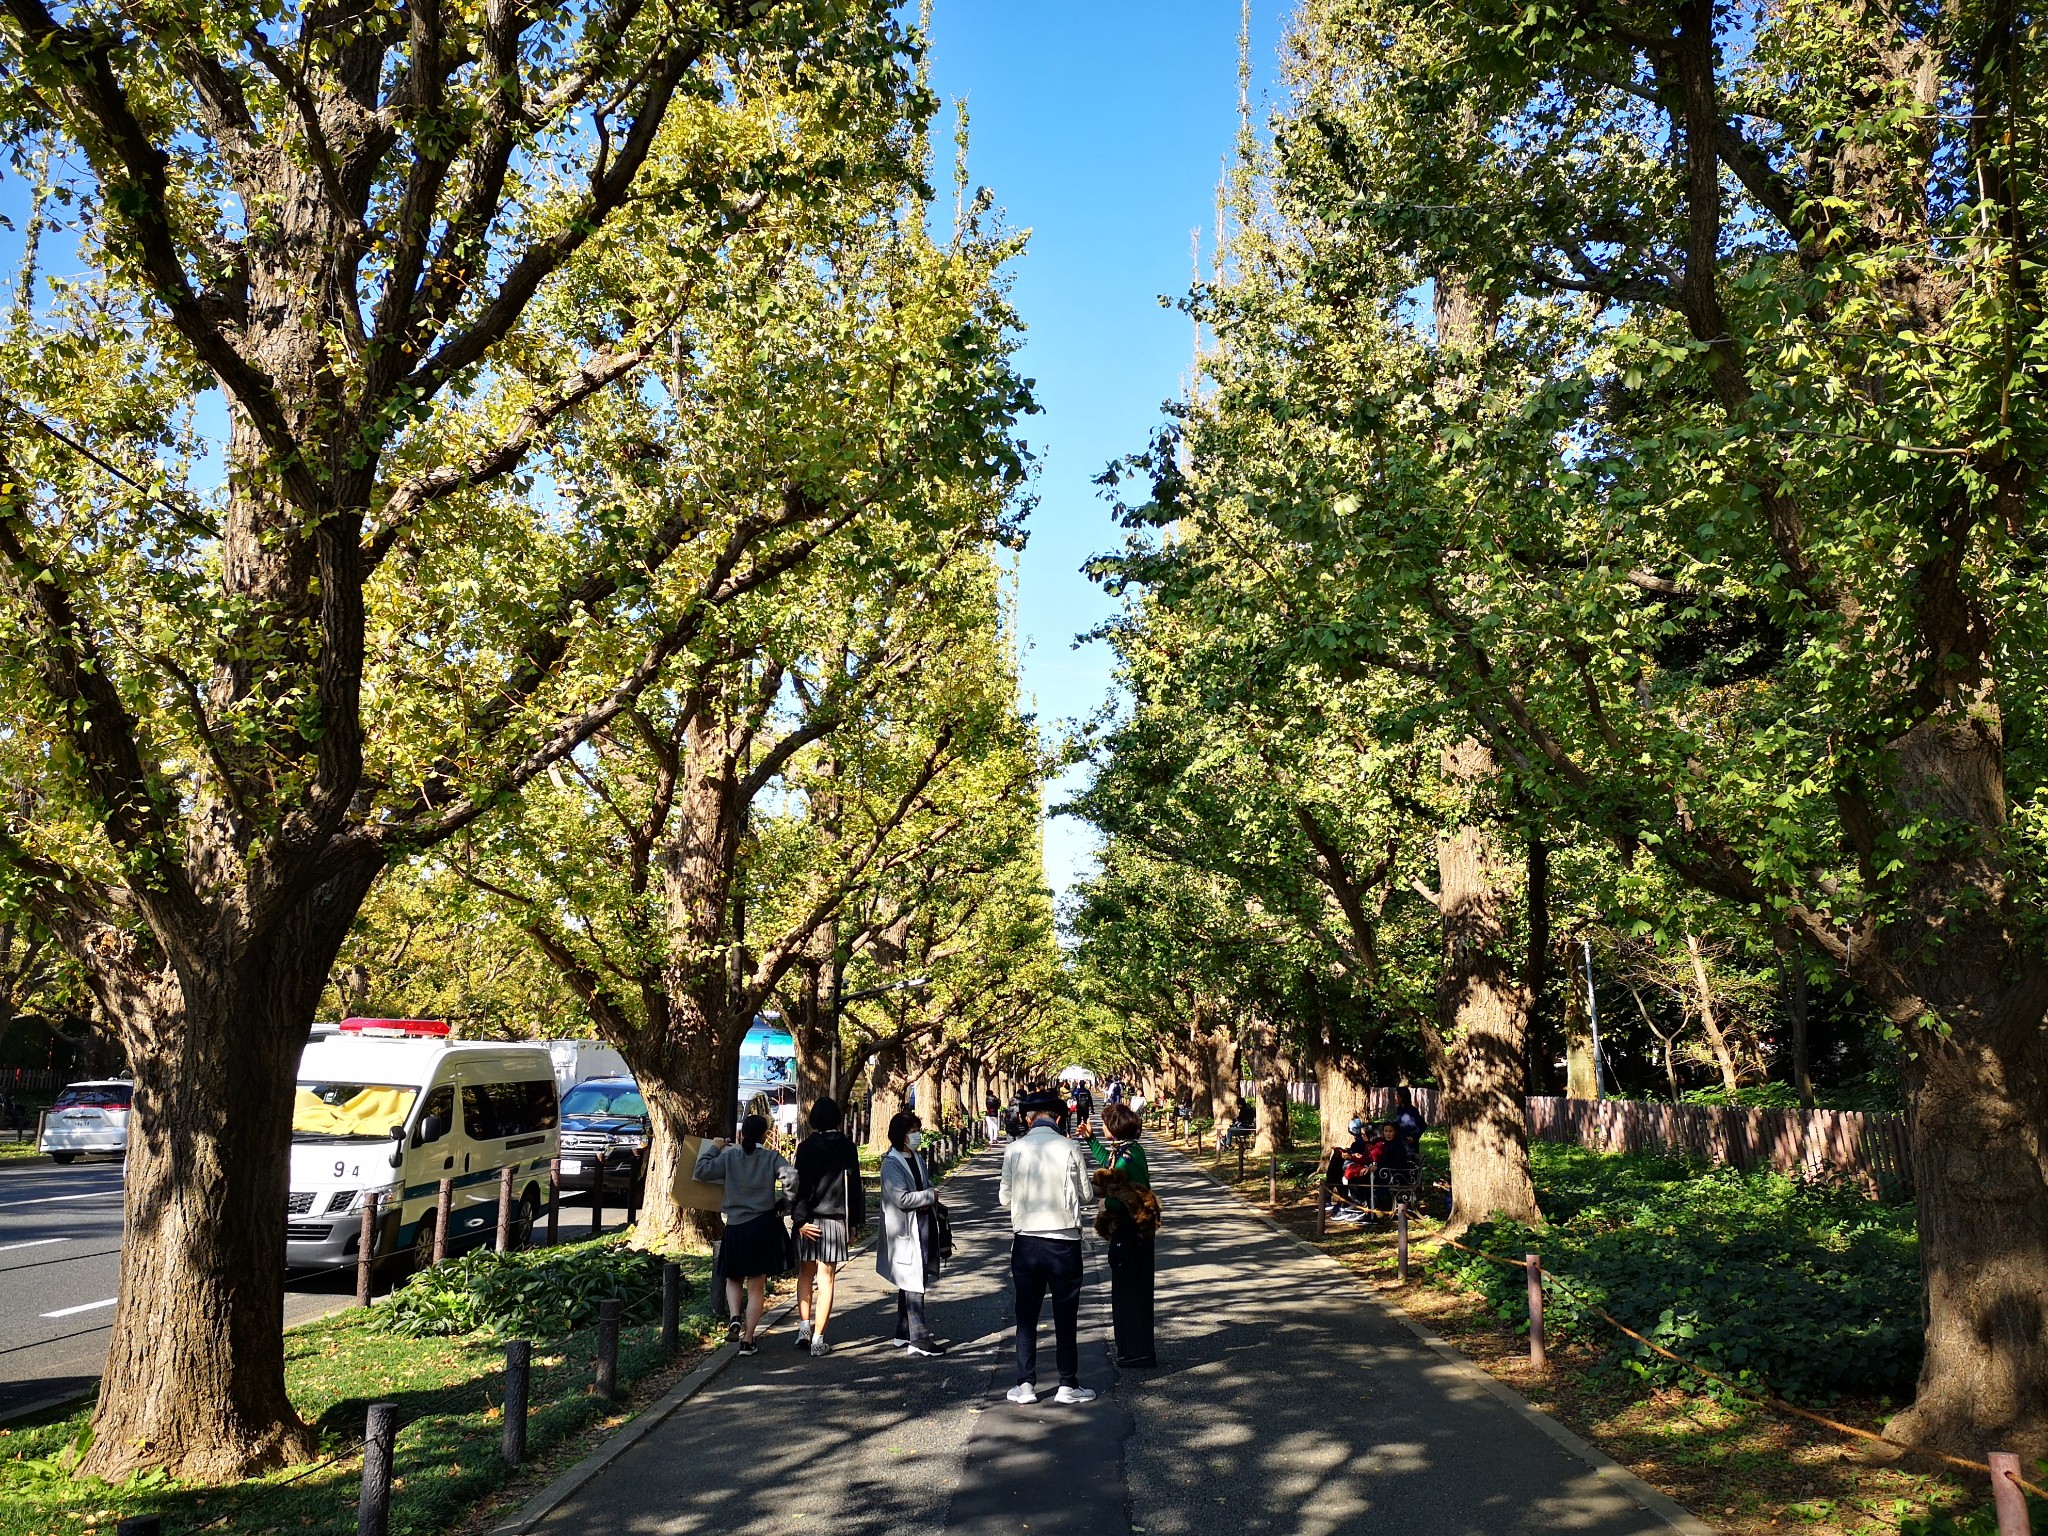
63,1157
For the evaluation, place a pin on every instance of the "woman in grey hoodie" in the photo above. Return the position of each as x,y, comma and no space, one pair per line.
756,1243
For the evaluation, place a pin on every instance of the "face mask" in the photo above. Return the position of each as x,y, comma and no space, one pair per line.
914,1140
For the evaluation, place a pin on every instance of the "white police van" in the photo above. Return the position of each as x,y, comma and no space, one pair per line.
394,1106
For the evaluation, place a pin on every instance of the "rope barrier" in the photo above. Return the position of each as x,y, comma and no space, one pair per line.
1767,1399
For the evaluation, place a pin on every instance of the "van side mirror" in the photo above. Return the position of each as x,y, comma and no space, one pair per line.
397,1145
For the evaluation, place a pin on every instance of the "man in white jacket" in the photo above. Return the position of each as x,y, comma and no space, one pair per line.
1045,1187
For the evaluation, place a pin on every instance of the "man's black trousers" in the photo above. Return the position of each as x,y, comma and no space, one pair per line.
1039,1265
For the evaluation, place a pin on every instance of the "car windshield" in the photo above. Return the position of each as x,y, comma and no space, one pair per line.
604,1099
349,1111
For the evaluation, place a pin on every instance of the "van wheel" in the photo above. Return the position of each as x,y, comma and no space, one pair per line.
423,1245
63,1157
520,1237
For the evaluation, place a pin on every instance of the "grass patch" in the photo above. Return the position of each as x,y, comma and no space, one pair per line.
450,1397
1646,1228
23,1149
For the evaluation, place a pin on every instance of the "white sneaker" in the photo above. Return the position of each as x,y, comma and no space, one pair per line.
820,1349
803,1335
1023,1392
1074,1395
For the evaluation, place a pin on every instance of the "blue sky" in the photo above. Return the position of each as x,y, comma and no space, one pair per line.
1102,129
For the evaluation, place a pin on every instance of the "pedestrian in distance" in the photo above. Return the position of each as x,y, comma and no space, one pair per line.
1044,1187
1129,1220
1408,1120
828,1208
907,1256
756,1243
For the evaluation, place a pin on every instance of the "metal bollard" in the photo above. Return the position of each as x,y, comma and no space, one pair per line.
518,1373
505,1208
140,1525
2007,1497
554,1201
366,1248
373,1504
1536,1354
607,1384
671,1303
444,1209
1401,1243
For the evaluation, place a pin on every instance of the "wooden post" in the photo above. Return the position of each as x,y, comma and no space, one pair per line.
1536,1352
366,1247
505,1208
632,1203
671,1303
1322,1208
373,1502
140,1525
1272,1178
554,1201
1401,1243
597,1200
607,1384
518,1371
1240,1160
444,1206
2007,1497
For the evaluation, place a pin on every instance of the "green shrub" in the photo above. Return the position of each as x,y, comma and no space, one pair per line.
1805,1290
537,1293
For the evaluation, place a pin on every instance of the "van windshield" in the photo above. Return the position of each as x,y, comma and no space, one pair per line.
349,1111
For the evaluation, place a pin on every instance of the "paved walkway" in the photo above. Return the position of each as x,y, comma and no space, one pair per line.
1286,1401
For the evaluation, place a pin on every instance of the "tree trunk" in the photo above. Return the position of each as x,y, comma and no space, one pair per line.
1224,1083
1344,1090
886,1073
194,1378
684,1075
1482,1016
1579,1066
1717,1038
1793,970
810,1026
1275,1133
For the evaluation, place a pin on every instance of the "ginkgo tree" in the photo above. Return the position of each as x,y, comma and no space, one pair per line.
243,682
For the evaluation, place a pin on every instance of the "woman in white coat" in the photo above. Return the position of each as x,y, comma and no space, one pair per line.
906,1257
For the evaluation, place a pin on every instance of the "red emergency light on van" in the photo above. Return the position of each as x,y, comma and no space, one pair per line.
396,1028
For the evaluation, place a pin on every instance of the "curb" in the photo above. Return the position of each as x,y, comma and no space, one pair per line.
571,1482
1605,1467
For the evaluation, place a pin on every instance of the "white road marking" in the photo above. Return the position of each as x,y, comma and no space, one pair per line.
90,1306
40,1242
95,1194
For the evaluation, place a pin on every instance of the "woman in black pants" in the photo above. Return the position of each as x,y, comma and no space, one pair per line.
1130,1244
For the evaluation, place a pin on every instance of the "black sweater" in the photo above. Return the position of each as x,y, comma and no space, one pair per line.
820,1160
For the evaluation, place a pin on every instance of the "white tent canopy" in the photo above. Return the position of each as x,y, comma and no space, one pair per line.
1078,1075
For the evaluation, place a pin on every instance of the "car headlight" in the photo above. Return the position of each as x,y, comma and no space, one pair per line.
630,1143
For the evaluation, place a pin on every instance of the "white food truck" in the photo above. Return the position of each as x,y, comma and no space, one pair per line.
394,1106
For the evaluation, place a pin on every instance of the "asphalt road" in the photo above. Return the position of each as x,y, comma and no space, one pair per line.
1285,1401
60,1265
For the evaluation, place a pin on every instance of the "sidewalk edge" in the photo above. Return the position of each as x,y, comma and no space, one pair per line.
571,1482
1604,1466
563,1488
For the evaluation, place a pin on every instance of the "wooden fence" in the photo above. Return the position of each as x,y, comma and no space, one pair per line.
1874,1150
